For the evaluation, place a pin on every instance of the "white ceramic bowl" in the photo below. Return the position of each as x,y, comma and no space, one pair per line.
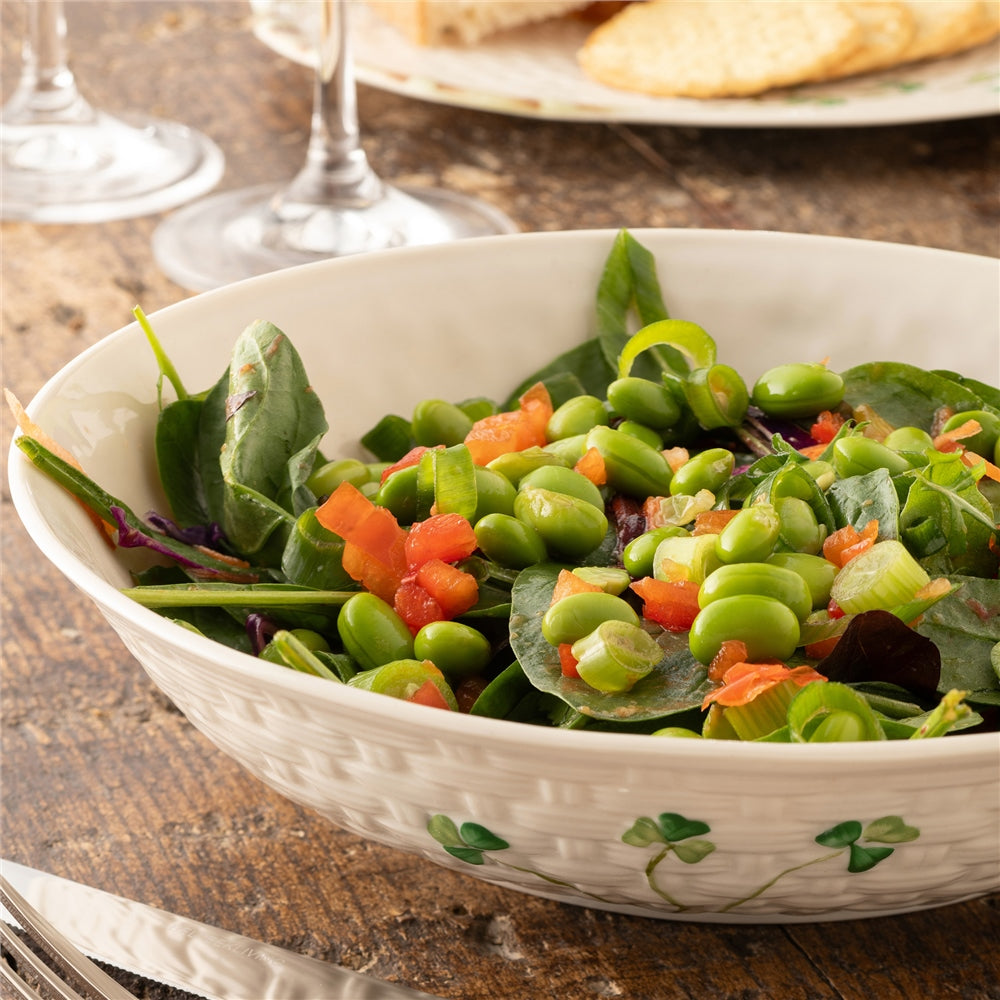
381,332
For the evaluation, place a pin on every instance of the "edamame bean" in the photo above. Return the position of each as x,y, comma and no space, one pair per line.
404,679
436,421
637,556
610,579
750,536
798,390
568,526
644,401
798,530
708,470
857,456
515,465
817,572
398,493
908,439
984,440
330,475
494,493
563,480
576,416
371,631
567,451
633,467
456,649
761,578
769,628
642,432
509,541
578,615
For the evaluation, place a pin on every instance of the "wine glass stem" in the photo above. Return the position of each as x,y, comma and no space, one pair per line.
47,90
336,171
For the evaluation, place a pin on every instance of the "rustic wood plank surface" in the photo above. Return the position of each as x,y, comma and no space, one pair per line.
105,782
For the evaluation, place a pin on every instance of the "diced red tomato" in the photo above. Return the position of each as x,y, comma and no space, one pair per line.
454,590
567,661
429,694
731,652
416,606
512,430
412,457
826,427
670,603
448,537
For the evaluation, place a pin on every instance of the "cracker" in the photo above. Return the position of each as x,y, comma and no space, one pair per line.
887,29
718,48
942,27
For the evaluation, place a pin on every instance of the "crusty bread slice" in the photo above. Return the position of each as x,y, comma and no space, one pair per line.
444,22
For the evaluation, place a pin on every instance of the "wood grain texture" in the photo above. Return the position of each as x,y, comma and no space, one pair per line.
105,782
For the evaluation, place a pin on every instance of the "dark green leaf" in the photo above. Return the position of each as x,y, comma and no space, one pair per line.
676,827
863,859
478,836
840,835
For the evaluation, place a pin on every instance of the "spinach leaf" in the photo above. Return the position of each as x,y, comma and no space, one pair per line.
858,499
677,683
988,393
905,395
946,514
274,426
965,626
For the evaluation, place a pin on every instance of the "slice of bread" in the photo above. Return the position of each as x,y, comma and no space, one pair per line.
706,49
464,22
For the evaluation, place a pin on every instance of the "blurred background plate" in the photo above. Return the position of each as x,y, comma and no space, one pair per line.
532,72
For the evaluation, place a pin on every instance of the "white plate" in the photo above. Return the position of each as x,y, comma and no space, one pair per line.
532,72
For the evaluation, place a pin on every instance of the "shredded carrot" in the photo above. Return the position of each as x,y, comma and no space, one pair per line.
972,460
745,681
676,457
731,652
592,465
948,441
711,522
847,543
567,661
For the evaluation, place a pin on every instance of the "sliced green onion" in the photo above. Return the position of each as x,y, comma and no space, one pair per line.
446,482
687,338
764,715
292,652
831,712
950,711
717,395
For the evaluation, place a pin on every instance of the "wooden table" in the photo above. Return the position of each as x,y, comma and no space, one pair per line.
105,782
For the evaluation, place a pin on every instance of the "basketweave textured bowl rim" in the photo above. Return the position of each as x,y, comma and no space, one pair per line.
965,748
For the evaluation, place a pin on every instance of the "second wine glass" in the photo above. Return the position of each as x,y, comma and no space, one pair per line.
336,206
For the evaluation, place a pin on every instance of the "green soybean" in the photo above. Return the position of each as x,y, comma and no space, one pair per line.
515,465
765,579
576,416
708,470
559,479
330,475
857,456
798,529
570,527
645,434
817,572
644,401
985,439
494,493
769,628
637,556
633,467
908,438
456,649
799,389
509,541
372,632
750,536
577,615
436,421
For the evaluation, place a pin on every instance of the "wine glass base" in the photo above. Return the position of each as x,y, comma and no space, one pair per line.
103,169
236,234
